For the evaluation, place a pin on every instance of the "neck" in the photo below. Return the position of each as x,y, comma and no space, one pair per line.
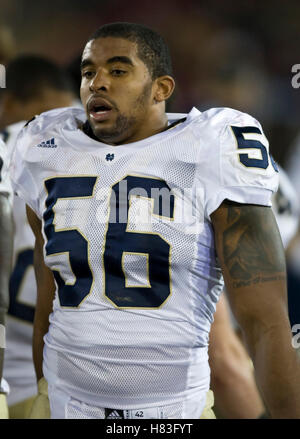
156,126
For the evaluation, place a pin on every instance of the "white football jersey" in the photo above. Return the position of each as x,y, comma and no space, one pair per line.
129,239
18,363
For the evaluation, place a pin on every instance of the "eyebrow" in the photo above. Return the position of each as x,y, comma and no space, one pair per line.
121,59
86,62
114,59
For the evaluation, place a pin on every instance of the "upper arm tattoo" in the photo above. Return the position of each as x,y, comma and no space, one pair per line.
250,244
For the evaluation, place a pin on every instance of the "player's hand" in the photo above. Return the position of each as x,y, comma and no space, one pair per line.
3,407
4,390
208,412
40,407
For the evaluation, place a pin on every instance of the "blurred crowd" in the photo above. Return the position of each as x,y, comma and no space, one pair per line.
234,54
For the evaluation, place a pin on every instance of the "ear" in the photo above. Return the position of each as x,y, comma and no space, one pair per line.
163,88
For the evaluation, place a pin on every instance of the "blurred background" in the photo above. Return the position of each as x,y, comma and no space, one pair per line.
225,53
235,53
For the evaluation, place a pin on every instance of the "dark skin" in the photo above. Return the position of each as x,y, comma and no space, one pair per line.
251,255
45,293
112,71
241,236
232,377
248,244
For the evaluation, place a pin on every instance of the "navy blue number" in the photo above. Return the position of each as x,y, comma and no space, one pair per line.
16,308
250,143
118,240
243,143
70,241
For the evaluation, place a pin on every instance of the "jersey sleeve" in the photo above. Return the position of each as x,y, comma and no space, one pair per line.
32,158
238,163
23,182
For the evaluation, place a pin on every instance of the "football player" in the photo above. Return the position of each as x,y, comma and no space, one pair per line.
34,84
6,233
137,219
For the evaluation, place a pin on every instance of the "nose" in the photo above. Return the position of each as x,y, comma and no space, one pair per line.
99,82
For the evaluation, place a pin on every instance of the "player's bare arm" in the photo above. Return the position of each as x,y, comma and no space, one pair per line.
232,378
6,229
45,293
252,258
250,252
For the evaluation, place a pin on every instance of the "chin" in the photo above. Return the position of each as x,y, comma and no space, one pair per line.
113,132
106,135
100,130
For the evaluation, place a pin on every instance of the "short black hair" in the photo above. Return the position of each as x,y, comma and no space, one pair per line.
28,75
151,47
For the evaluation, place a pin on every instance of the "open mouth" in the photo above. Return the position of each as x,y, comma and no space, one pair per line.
99,110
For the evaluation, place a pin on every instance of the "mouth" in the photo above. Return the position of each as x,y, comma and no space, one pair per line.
99,109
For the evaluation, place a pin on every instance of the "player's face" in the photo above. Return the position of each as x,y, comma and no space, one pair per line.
116,90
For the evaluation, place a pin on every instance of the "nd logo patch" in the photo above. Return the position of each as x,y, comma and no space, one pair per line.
109,157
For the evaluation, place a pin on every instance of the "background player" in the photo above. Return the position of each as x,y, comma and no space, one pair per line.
34,84
6,236
125,103
26,95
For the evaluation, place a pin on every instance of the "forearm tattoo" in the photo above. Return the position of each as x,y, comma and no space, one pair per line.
252,249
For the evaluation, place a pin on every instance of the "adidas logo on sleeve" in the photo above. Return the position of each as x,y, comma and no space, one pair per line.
47,144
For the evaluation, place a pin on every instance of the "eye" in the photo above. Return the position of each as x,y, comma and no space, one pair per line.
87,74
117,72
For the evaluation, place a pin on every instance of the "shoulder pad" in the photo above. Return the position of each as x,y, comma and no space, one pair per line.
51,119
